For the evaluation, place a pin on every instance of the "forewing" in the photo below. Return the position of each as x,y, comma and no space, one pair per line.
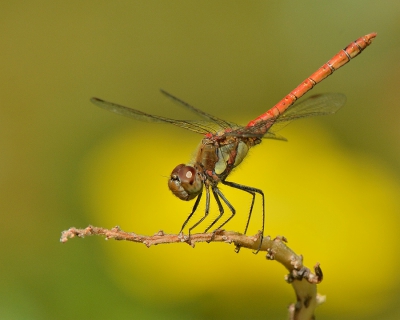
222,123
202,127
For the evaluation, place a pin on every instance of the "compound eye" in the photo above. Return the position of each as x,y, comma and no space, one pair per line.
186,174
185,183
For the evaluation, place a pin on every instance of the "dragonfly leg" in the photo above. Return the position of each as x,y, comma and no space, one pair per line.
205,213
220,194
191,214
237,249
252,191
220,208
251,209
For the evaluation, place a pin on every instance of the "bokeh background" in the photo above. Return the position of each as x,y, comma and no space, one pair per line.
333,190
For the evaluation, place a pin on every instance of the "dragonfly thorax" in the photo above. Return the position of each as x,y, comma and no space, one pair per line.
221,156
185,182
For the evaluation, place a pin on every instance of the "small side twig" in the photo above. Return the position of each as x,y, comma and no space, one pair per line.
306,291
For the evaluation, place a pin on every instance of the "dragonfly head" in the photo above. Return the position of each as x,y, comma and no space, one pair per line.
185,183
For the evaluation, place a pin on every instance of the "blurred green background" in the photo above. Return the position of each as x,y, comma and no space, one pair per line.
332,190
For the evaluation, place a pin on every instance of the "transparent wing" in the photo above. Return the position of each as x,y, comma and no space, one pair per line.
274,135
317,105
202,127
222,123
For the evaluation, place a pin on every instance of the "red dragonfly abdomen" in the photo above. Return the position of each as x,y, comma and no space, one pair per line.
339,60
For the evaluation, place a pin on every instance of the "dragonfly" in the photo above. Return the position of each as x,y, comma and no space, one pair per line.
226,144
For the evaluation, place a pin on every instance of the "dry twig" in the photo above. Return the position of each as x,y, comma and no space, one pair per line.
302,279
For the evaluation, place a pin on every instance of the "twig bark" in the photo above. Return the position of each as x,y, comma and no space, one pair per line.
302,279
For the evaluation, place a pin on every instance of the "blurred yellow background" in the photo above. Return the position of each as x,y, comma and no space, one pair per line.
333,190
